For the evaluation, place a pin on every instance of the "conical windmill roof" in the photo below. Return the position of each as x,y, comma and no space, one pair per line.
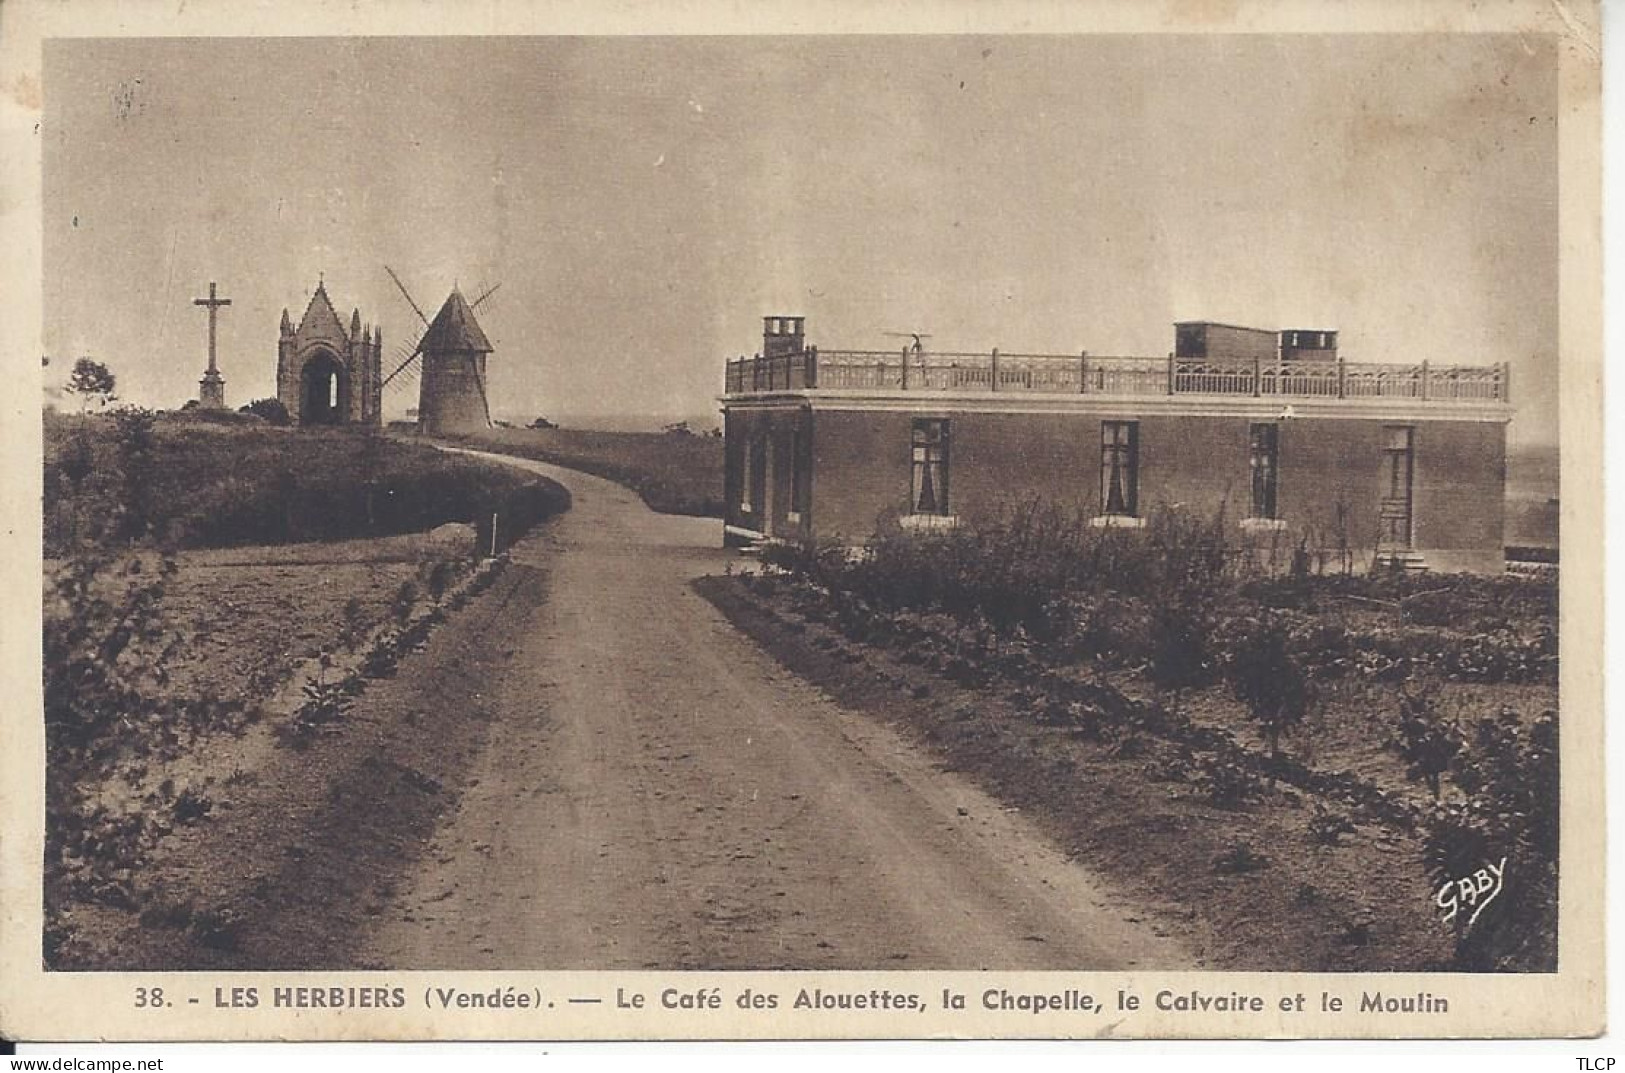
320,321
455,328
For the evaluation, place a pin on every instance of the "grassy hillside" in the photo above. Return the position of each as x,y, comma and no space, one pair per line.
674,473
118,480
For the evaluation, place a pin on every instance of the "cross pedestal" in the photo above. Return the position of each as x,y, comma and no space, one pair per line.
211,391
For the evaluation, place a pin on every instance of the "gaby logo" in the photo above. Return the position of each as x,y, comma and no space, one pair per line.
1474,892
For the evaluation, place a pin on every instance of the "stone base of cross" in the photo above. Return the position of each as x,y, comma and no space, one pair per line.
211,394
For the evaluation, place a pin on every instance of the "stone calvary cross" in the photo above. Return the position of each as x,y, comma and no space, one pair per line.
212,388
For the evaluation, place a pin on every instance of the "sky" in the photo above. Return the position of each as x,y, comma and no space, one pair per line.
643,202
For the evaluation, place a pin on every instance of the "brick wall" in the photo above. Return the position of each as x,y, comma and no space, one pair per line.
1458,465
860,472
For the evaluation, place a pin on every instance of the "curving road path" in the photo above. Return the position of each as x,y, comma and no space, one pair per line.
656,792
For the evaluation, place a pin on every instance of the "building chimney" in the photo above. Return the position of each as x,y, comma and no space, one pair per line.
782,335
1308,344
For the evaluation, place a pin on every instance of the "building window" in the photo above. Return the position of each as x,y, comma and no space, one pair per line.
1120,468
1397,453
1264,457
744,474
930,467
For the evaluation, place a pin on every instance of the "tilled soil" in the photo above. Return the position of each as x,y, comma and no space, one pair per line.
290,866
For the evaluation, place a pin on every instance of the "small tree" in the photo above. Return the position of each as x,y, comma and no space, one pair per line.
92,382
1426,743
1269,680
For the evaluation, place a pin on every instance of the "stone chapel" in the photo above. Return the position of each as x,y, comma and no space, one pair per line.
326,375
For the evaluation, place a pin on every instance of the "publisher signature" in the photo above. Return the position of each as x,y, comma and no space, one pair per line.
1474,892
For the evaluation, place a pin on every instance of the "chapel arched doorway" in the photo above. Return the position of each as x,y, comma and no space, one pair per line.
325,391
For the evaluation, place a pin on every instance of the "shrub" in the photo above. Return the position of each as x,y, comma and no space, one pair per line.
1424,740
406,597
326,703
194,414
1327,827
191,806
1239,859
271,410
1227,783
353,626
1038,573
1509,774
1179,657
438,577
135,445
1269,680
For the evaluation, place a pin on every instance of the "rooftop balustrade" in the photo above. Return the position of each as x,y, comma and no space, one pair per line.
1088,374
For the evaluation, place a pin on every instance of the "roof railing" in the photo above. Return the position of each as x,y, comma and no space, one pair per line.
1091,374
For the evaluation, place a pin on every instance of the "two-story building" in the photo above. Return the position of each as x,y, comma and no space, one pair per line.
1299,447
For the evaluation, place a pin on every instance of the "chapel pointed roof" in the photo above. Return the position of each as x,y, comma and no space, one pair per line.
455,328
320,319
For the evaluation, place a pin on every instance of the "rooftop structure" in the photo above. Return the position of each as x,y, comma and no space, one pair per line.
1301,366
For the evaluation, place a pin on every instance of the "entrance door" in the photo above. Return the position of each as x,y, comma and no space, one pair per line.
326,398
1398,473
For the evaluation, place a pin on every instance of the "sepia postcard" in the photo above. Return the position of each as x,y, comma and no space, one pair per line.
656,521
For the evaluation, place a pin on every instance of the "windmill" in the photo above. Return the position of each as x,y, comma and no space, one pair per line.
452,397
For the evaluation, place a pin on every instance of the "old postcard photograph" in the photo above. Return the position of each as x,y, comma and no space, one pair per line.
648,523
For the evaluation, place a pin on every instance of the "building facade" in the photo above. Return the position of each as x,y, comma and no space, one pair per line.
326,375
1299,448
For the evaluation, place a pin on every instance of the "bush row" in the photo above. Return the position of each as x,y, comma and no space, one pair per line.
1176,598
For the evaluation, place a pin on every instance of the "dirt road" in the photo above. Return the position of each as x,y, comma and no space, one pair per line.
655,792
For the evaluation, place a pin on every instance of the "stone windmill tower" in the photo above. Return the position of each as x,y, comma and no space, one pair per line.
452,401
452,397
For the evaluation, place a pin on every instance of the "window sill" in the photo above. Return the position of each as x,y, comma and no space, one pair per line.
928,521
1264,525
1116,521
